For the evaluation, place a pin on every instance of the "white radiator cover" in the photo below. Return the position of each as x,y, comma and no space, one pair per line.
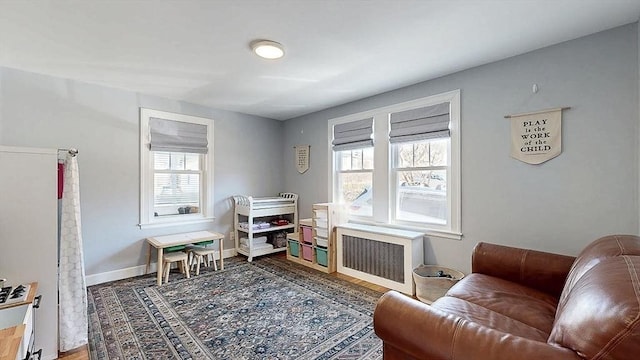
380,255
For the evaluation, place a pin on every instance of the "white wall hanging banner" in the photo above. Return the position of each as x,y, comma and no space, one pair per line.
537,136
302,157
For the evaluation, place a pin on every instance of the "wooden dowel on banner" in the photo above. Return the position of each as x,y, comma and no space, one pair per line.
537,112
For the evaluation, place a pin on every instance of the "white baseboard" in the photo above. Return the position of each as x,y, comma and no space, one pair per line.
129,272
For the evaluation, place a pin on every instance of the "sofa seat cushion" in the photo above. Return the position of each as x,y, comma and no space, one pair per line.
488,318
501,305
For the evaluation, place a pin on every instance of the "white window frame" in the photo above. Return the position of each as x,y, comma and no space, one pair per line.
147,219
383,177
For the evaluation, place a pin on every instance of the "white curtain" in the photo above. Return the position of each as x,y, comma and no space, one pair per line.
72,285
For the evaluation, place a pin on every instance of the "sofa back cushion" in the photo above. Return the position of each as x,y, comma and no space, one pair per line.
603,248
598,315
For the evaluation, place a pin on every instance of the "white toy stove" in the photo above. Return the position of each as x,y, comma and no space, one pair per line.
13,294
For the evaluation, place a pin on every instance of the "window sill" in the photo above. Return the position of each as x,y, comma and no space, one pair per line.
446,234
175,223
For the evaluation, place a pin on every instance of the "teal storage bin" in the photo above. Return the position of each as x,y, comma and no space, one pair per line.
174,248
321,256
294,248
204,243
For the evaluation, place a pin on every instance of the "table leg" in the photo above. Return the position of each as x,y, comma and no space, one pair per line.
221,241
159,276
146,270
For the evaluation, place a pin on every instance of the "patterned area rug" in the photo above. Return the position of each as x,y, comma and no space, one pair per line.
268,309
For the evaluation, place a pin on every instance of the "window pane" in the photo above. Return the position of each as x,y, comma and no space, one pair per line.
345,160
356,191
438,152
421,154
173,193
177,161
161,160
356,159
405,155
192,162
422,196
367,158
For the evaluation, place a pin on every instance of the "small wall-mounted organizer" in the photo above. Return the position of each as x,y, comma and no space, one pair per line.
314,245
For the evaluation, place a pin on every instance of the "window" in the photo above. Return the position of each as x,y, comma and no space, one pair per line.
409,176
420,173
355,180
176,184
353,145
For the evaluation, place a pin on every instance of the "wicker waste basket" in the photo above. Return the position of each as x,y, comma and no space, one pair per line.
429,285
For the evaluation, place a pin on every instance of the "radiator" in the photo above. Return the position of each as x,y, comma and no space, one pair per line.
379,255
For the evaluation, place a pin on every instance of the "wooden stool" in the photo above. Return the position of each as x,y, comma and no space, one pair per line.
195,246
178,256
200,255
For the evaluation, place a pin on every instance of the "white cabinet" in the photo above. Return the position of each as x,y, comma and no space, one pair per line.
28,232
15,317
254,219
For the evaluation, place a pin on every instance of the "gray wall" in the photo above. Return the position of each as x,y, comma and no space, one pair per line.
103,123
590,190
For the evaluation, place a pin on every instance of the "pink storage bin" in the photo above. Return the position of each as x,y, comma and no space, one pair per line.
307,252
307,234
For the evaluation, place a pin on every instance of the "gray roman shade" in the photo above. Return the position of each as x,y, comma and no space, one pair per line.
353,135
177,136
425,123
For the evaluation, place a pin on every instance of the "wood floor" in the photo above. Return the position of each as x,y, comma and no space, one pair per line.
78,354
83,353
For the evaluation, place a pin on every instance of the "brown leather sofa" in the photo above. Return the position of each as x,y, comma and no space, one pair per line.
524,304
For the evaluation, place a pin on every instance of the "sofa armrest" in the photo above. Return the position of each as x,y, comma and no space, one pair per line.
418,331
543,271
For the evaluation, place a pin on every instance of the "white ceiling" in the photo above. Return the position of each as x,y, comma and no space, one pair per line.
336,51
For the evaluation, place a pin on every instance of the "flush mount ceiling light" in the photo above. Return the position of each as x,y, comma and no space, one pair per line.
267,49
